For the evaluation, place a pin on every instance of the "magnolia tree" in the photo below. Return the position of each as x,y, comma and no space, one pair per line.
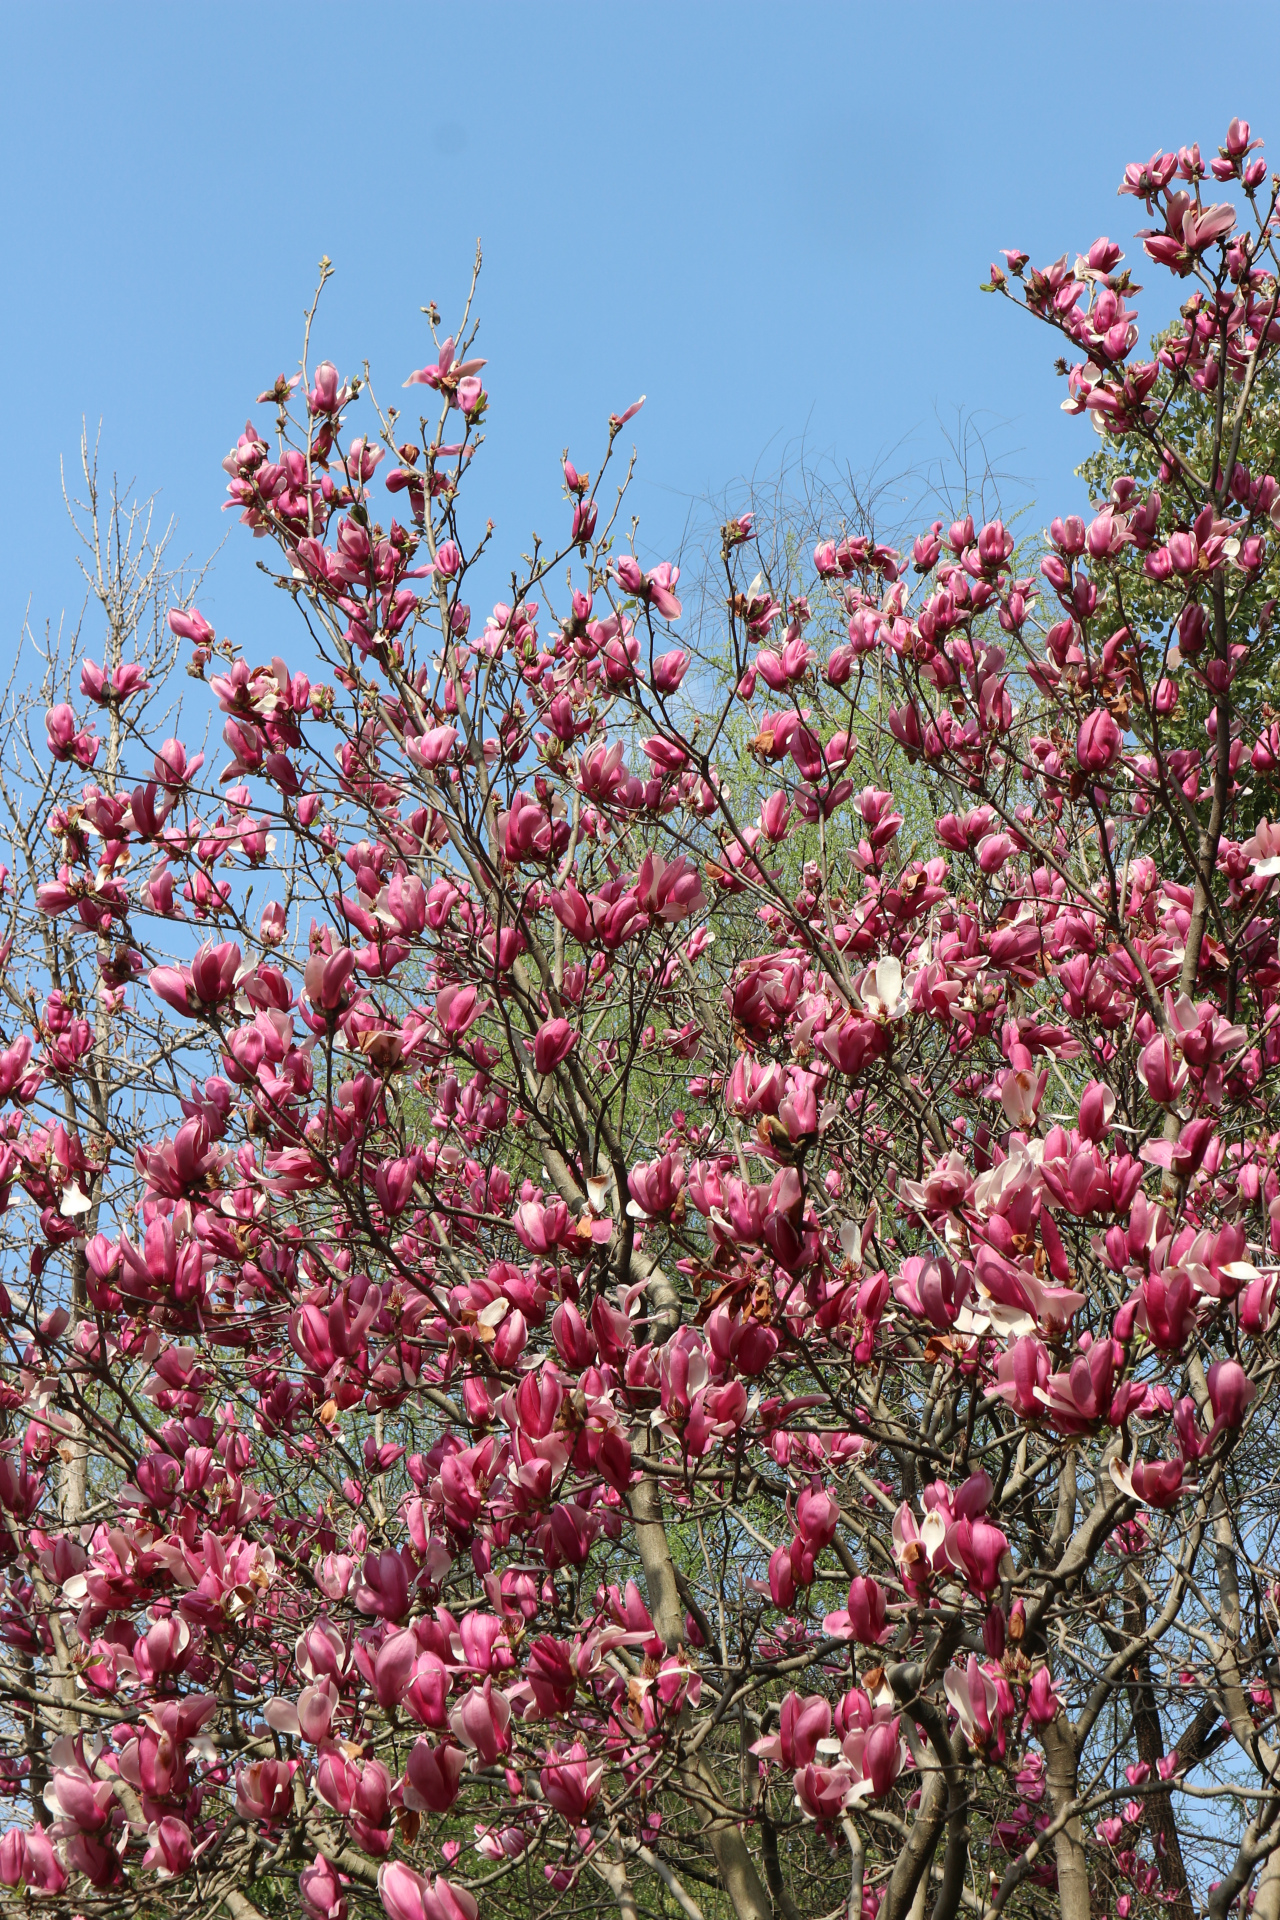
602,1315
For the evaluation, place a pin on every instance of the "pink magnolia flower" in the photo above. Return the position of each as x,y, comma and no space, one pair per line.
1168,1307
324,396
326,977
188,623
310,1718
385,1589
1157,1483
272,927
931,1290
782,1576
1189,230
655,1188
656,587
27,1859
1043,1704
174,769
264,1790
669,670
1255,1305
823,1792
863,1618
1022,1376
920,1549
320,1887
433,748
126,680
214,971
77,1797
802,1723
571,1782
405,1895
171,1849
360,1791
553,1042
427,1694
574,1340
174,986
1099,743
481,1721
1162,1073
1080,1397
66,741
882,1757
394,1667
446,369
978,1549
1097,1104
975,1698
661,585
1230,1391
775,815
669,889
433,1777
817,1517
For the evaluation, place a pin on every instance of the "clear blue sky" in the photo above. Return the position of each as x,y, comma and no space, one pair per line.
772,219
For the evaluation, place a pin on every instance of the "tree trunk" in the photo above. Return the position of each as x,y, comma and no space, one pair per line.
1149,1737
1073,1868
909,1879
738,1872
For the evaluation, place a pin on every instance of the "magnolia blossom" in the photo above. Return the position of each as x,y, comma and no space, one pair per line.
881,991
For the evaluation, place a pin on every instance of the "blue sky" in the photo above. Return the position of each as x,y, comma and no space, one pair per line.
772,220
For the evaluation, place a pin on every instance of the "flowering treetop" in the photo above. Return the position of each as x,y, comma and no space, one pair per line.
642,1250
